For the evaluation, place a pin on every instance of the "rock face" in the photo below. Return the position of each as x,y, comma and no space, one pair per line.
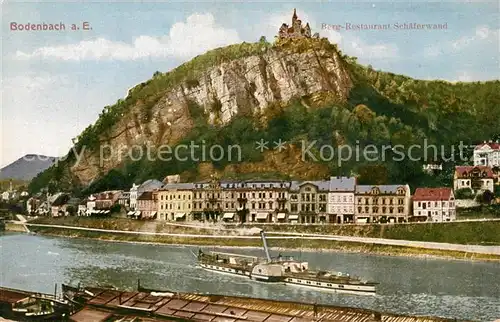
245,86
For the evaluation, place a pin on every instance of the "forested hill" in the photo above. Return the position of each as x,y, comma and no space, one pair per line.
302,90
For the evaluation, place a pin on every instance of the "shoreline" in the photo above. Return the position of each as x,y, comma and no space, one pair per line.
284,245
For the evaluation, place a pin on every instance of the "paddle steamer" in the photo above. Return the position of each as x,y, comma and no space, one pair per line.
282,270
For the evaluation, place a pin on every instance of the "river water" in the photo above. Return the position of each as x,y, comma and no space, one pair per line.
447,288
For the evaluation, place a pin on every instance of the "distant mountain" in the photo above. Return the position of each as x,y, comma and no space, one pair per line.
27,167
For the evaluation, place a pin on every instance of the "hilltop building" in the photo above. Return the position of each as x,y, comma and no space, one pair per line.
296,30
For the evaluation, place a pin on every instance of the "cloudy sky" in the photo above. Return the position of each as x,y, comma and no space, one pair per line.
55,83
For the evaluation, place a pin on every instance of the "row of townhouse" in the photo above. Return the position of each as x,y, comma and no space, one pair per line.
337,200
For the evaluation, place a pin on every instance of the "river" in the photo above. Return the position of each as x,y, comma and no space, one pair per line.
447,288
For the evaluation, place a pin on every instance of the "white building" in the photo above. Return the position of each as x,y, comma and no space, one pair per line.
341,198
487,154
91,204
82,209
476,178
5,195
133,196
437,204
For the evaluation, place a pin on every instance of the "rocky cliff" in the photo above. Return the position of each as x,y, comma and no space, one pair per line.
311,69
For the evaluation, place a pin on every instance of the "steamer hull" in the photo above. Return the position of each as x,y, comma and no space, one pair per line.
282,270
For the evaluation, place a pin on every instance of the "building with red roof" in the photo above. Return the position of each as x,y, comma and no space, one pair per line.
477,178
437,204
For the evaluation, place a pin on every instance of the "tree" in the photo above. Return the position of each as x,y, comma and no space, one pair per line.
497,190
364,114
486,197
71,210
263,40
373,174
116,208
464,193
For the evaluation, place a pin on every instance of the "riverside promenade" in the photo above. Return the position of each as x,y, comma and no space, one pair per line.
249,233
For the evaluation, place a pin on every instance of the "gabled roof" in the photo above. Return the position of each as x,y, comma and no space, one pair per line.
492,145
59,198
462,171
432,194
150,185
322,185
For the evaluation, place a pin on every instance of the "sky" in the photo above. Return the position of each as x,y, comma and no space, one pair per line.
55,83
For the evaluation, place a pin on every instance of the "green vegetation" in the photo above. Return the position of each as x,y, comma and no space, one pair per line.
481,212
383,109
468,233
19,185
464,193
147,94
